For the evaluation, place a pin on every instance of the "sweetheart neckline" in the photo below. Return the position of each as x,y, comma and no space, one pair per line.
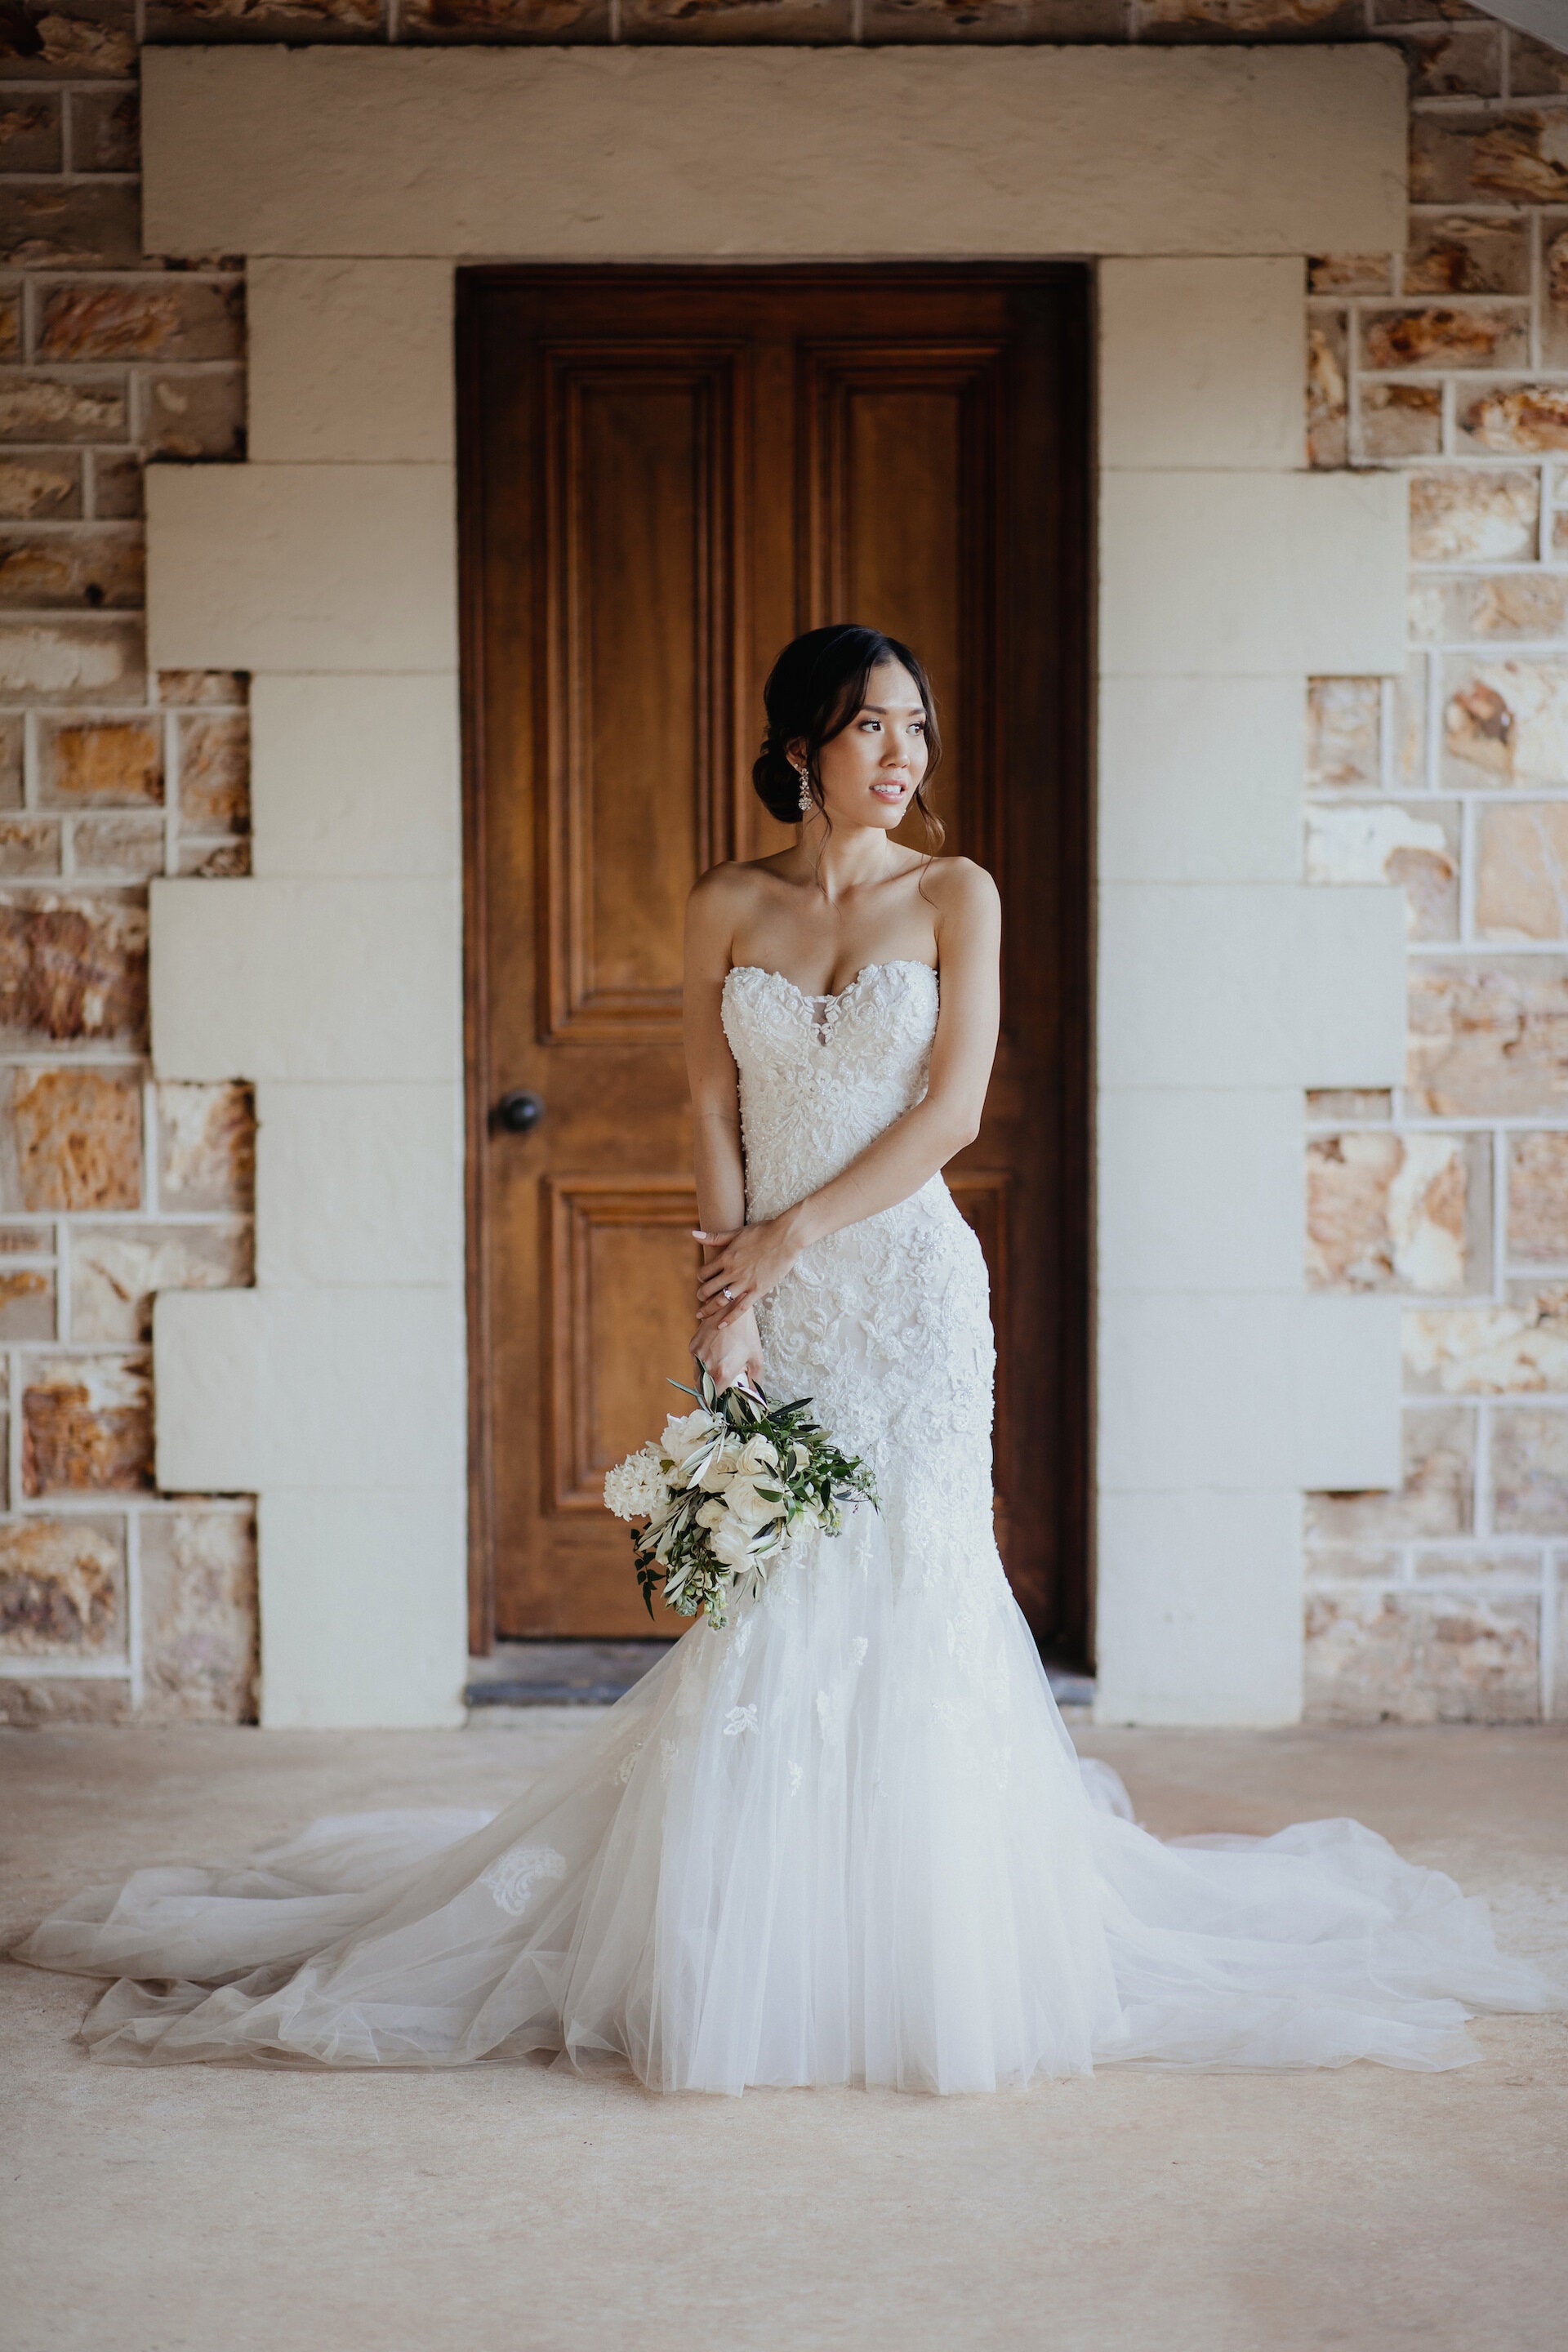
835,995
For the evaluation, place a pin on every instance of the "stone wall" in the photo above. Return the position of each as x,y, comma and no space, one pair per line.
1439,1600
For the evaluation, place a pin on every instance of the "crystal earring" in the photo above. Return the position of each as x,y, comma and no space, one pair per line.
805,800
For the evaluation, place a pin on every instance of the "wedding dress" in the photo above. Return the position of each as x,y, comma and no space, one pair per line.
847,1840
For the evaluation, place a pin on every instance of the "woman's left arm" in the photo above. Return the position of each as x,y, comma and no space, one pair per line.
755,1259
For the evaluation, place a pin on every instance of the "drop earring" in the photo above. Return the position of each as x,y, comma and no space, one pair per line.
807,803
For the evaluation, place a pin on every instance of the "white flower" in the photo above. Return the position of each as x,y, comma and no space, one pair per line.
745,1502
713,1513
636,1489
806,1517
757,1454
731,1542
722,1468
802,1454
683,1432
740,1719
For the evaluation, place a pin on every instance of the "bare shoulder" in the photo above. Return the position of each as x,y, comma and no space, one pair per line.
723,892
964,892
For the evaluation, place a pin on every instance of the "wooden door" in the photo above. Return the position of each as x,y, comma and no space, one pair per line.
666,474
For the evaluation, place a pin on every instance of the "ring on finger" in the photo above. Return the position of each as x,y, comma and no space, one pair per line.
726,1292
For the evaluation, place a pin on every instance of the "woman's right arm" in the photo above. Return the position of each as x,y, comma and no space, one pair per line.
716,1105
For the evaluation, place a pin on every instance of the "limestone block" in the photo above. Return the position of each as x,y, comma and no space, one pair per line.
1347,1424
302,567
71,661
1434,1496
1537,1197
1200,779
1328,388
207,1147
1515,418
117,1270
1199,1609
1200,364
588,154
309,1388
1198,1188
355,775
1388,1212
37,1702
306,980
1487,1037
1344,734
1198,1389
359,1184
198,1615
72,1139
1421,1657
1530,1470
1252,574
141,318
1474,515
73,967
1513,1347
1505,722
62,1587
351,362
87,1425
214,771
1351,973
363,1605
1412,843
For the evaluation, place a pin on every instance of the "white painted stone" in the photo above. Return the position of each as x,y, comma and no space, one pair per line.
1198,1389
711,152
358,1184
1199,1614
355,775
351,362
1202,362
1200,1189
258,979
302,567
1349,1433
1252,574
339,1389
1353,980
362,1609
1200,779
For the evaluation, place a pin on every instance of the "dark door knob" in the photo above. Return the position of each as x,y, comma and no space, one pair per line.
519,1111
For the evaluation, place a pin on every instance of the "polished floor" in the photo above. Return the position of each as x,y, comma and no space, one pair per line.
518,2210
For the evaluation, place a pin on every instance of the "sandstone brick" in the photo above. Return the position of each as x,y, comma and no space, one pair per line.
1519,1347
1349,273
25,1240
553,20
44,568
44,1702
1435,1497
184,413
1530,1470
1421,1657
199,1631
87,1425
1535,71
1506,722
191,687
42,486
1554,290
118,1270
1408,723
62,1587
62,408
1525,605
142,318
1327,396
214,774
1415,845
98,764
1468,1565
263,20
1349,1564
214,860
1519,157
117,485
1335,1103
1457,61
1248,19
1474,516
73,966
67,37
1488,1039
1401,420
30,132
1437,336
29,845
72,225
1424,609
1461,252
207,1147
1537,1197
11,742
105,129
27,1304
1521,872
10,326
1343,725
1396,1212
1518,417
71,661
117,848
76,1137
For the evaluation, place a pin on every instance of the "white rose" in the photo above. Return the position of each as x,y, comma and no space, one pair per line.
745,1502
722,1467
802,1454
683,1432
757,1454
712,1514
731,1542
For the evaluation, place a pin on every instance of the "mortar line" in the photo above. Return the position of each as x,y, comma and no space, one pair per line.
133,1607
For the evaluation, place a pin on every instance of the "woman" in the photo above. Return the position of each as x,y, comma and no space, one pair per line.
846,1840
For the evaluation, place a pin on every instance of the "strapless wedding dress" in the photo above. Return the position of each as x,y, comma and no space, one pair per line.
847,1840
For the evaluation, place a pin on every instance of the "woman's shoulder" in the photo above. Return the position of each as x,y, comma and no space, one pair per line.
959,886
734,883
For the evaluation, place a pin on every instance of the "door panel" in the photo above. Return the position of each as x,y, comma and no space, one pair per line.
665,475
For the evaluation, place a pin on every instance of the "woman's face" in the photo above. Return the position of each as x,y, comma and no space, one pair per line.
870,771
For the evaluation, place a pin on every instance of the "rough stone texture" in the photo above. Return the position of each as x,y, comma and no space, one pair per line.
184,412
1436,1497
1399,1657
39,1701
1520,416
141,319
71,661
73,967
105,129
263,20
214,774
117,848
62,1587
1400,420
1460,252
86,1424
199,1657
44,486
215,860
1521,872
1537,1197
1504,606
1327,396
751,21
193,688
1488,1039
116,1271
84,225
1342,734
27,1304
75,1139
1386,1212
1530,1470
1437,337
1518,1348
1474,517
1513,157
207,1147
29,847
40,571
1414,844
1506,722
62,408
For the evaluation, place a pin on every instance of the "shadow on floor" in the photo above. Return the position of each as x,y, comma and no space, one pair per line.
596,1673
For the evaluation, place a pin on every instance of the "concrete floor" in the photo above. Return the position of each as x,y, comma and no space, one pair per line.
215,2210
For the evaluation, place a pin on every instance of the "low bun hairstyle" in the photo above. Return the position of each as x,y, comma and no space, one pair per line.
814,692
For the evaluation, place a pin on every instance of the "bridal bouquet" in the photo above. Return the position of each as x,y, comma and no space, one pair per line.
724,1489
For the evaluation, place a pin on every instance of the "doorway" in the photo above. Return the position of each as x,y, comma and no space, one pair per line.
666,474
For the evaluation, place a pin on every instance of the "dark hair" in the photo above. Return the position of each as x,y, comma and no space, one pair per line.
814,692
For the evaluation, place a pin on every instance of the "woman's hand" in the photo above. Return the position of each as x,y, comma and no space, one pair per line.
731,1355
744,1266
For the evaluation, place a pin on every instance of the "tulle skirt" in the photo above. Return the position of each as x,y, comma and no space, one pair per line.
845,1841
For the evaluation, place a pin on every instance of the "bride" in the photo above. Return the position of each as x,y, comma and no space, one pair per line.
846,1840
